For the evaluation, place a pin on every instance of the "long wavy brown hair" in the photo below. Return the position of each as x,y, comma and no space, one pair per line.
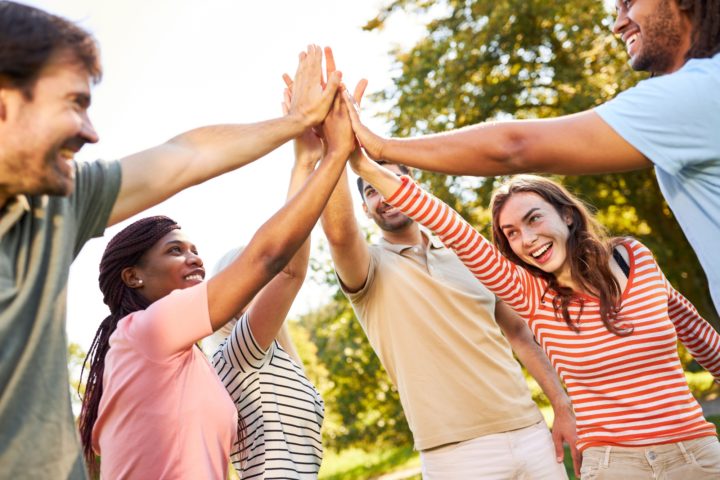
589,249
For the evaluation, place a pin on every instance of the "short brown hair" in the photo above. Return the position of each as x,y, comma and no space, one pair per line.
29,37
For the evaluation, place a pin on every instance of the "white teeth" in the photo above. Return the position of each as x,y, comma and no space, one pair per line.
540,251
194,277
631,39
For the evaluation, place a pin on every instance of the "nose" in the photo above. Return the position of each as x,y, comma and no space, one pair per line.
528,237
88,132
194,259
621,21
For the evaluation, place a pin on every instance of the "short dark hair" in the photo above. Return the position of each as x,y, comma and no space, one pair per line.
361,184
29,37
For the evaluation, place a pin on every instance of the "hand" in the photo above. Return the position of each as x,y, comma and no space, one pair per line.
308,146
311,96
565,430
372,143
359,162
338,131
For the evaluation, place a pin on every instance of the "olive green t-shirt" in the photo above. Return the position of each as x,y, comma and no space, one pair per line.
39,238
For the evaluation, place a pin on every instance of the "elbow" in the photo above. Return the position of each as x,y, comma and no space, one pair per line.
514,152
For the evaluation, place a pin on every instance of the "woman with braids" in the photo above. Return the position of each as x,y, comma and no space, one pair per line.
153,406
603,312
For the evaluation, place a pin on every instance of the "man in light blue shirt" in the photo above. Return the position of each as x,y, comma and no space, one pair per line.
670,121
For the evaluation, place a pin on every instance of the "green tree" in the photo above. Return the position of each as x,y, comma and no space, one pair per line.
493,60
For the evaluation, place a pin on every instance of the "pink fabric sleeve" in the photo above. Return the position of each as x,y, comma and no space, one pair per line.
172,324
513,284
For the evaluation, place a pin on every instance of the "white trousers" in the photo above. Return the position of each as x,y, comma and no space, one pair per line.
524,454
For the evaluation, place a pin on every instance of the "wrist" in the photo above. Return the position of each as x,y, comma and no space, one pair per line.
297,123
561,404
338,152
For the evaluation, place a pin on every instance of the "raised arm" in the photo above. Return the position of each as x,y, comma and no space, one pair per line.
154,175
267,312
538,365
513,284
279,238
582,143
698,336
348,247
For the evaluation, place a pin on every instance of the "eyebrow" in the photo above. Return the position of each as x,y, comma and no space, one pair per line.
524,218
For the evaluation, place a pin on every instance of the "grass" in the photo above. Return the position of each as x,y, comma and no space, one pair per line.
356,464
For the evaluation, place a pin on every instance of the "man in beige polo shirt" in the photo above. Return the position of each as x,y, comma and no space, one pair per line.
446,342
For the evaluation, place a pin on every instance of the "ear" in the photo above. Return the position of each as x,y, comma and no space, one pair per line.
365,209
131,278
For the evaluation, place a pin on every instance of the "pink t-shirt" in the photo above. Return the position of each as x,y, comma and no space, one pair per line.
164,413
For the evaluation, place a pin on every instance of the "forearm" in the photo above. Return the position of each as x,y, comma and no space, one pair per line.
283,234
151,176
572,145
476,150
538,365
338,220
296,269
696,333
217,149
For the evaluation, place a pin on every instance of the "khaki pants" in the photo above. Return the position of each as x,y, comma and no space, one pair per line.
524,454
697,459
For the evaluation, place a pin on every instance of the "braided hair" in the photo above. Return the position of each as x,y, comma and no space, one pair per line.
705,17
124,250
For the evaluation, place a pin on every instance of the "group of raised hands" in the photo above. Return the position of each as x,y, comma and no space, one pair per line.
328,110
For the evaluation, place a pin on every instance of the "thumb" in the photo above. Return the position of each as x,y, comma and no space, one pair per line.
360,90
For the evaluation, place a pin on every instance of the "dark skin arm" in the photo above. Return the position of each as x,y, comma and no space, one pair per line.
279,238
575,144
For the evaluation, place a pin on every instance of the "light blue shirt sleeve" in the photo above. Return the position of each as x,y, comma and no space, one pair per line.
673,120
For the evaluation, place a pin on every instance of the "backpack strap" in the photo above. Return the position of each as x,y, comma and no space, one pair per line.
621,261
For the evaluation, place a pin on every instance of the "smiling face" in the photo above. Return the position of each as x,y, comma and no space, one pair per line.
656,34
41,134
387,217
171,264
536,232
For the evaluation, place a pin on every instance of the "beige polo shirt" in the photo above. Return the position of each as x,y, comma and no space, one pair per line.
432,325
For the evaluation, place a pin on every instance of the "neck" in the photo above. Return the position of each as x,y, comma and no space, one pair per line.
410,235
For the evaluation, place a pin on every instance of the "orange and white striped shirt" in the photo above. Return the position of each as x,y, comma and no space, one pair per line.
626,391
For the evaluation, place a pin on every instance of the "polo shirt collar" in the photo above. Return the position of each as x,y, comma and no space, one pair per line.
12,212
433,242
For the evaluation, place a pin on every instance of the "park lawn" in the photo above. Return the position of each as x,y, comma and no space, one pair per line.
357,464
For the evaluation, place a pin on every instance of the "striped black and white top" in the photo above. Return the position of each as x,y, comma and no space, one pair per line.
281,410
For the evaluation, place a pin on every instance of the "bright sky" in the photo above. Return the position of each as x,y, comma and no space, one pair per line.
172,65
